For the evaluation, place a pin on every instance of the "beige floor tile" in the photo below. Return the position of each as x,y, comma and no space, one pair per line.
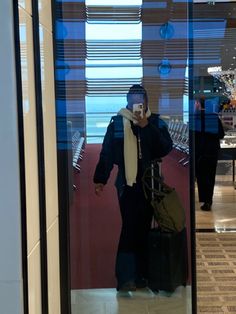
223,213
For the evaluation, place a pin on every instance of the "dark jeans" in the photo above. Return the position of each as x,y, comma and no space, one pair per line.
136,214
205,174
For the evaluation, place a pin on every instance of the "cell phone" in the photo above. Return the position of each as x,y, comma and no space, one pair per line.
138,108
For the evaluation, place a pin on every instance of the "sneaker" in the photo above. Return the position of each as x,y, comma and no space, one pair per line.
206,207
128,286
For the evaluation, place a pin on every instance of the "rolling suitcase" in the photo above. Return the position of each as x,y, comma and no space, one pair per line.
167,268
167,258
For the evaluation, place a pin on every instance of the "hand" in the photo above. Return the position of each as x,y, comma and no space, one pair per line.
141,121
98,187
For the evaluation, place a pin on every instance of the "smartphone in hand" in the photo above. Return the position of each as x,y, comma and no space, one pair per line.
138,108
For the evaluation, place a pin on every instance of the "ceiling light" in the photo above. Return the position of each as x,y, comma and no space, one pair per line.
164,67
166,31
234,57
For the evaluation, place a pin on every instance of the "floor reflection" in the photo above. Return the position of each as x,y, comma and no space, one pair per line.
108,301
216,248
222,216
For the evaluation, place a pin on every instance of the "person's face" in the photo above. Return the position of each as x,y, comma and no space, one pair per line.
197,105
136,99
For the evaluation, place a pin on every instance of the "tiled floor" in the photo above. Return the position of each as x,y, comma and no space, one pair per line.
216,272
223,214
108,301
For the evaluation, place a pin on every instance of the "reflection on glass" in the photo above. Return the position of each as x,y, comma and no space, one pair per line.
164,67
166,31
98,60
109,62
214,98
113,2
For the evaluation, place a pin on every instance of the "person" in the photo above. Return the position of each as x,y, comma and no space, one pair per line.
131,142
208,131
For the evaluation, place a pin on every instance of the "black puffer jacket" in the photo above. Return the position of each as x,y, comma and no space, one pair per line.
208,131
155,143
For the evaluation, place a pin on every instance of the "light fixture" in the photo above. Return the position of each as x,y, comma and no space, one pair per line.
166,31
227,78
164,67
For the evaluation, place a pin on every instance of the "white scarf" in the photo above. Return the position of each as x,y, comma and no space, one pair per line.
130,146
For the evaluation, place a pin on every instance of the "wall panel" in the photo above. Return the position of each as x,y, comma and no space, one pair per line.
53,269
11,281
40,156
48,103
30,136
34,276
50,154
45,14
26,5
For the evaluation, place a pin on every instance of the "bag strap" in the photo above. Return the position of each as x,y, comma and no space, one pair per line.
155,192
149,174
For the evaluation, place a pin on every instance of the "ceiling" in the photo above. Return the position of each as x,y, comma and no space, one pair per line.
220,42
202,32
210,40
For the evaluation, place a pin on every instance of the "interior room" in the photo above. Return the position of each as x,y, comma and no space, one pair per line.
184,54
178,51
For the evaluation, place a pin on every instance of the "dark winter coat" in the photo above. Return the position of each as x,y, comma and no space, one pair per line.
208,131
155,143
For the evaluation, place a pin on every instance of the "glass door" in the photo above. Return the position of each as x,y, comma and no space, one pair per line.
102,49
214,137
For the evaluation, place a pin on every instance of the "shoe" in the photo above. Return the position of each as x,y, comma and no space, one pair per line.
206,207
128,286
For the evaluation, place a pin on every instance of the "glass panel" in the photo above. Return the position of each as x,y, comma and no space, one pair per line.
214,88
102,49
214,109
